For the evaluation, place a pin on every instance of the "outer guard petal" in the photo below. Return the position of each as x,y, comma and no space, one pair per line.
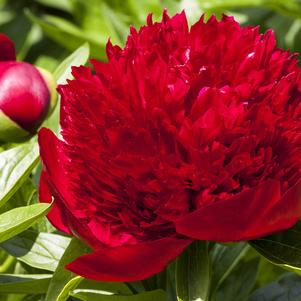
56,216
251,214
130,262
53,160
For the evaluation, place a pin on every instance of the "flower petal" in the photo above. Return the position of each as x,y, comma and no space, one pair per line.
248,215
130,262
7,49
56,216
53,160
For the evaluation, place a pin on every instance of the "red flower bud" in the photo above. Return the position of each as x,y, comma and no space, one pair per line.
7,49
24,95
183,134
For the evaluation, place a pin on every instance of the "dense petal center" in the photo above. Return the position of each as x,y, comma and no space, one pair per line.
177,120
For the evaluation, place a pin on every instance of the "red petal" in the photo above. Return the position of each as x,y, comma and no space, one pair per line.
53,160
7,49
287,210
56,216
251,214
129,263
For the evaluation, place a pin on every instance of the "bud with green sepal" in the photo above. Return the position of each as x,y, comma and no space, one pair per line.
27,95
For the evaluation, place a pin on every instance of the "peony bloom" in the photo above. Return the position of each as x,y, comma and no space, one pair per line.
24,94
184,134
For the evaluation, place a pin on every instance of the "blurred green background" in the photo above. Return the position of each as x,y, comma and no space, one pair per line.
46,31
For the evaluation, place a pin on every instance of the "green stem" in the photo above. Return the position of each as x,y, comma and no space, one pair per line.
193,273
7,263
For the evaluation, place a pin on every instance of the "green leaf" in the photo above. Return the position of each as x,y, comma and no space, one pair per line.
17,29
193,273
68,35
192,9
287,288
98,19
47,62
25,195
58,4
239,283
282,249
17,220
224,259
61,74
39,250
91,295
24,284
79,287
34,36
61,277
118,30
77,58
140,9
116,288
65,292
15,166
267,272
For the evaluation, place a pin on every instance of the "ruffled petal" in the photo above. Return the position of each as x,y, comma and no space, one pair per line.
248,215
129,263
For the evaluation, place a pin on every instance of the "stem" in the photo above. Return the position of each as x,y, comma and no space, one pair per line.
7,263
193,273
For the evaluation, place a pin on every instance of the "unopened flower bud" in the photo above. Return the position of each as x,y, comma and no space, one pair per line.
25,96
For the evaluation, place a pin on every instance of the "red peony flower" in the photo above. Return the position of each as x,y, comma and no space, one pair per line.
183,134
24,94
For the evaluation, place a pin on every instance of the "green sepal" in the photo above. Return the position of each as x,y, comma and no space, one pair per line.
11,131
51,84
